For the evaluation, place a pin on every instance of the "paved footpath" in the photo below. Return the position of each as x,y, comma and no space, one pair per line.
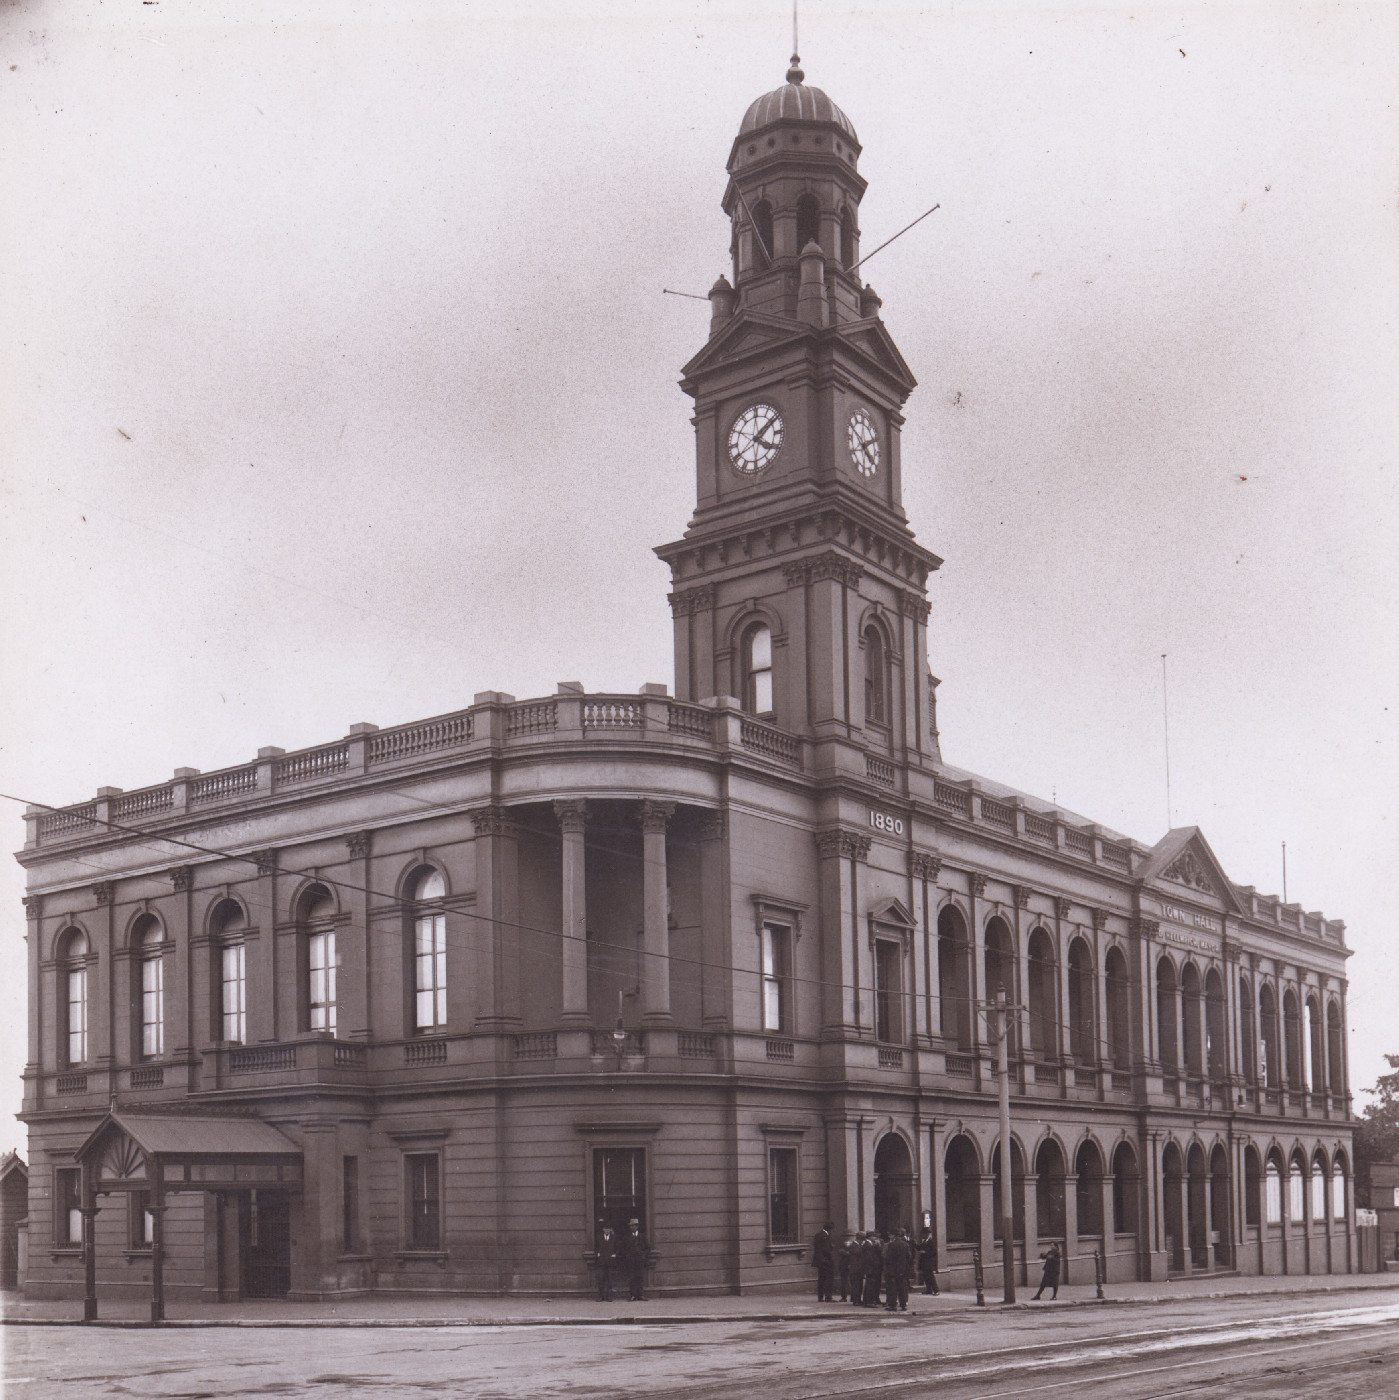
458,1311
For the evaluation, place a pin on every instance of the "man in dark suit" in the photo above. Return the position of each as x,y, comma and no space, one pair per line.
633,1255
872,1257
823,1257
857,1269
898,1258
606,1261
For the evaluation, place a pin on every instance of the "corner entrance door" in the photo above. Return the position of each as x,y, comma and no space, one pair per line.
893,1184
264,1240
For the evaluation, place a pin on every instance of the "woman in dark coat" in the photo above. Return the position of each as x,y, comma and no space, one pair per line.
1050,1278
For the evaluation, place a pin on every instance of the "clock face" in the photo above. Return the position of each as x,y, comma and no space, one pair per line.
755,439
863,438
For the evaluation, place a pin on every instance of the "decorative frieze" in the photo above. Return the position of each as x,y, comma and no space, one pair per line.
914,606
819,567
1186,869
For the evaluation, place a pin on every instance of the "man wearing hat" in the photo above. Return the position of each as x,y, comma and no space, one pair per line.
823,1256
606,1260
633,1255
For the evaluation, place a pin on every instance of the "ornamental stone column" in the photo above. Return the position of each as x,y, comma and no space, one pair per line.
497,922
716,974
572,815
654,817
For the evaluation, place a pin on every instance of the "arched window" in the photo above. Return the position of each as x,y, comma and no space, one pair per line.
1297,1188
426,890
1318,1189
147,937
1049,1190
1268,1037
954,994
231,950
1167,1037
1338,1190
1088,1193
1316,1048
321,958
1125,1186
1272,1181
1214,1026
1190,1019
1333,1048
1081,999
1248,1032
1017,1192
762,234
1292,1039
962,1192
1043,1022
808,221
847,239
1119,1010
876,678
999,968
757,669
1252,1187
73,1002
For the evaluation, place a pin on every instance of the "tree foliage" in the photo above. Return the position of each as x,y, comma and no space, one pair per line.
1377,1136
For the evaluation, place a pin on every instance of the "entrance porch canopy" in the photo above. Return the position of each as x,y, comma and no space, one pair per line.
160,1153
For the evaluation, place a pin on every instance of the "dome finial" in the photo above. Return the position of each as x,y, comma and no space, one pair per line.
794,72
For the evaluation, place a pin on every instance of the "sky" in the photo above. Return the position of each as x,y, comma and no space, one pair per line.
339,385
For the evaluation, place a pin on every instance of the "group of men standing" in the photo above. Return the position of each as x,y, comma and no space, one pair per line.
867,1264
628,1254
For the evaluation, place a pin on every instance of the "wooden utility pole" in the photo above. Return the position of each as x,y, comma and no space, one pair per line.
1007,1208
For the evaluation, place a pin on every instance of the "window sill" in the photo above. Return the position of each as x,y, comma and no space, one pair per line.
357,1258
66,1251
773,1250
421,1256
132,1255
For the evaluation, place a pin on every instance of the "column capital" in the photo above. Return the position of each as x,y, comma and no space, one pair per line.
1100,918
978,883
33,906
357,843
1145,928
104,892
714,824
654,816
836,842
1021,895
922,865
265,860
572,813
182,877
1062,906
492,820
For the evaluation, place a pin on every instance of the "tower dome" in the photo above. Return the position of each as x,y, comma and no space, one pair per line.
794,101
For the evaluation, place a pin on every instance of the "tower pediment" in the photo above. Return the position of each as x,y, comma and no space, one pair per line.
1183,864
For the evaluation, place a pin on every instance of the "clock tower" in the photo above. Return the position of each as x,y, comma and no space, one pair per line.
798,587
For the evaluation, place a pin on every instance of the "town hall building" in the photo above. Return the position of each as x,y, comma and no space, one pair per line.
420,1008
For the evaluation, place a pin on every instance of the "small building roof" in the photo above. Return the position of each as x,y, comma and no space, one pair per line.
171,1135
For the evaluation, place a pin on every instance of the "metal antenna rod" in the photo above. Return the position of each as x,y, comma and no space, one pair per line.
1166,727
1284,872
899,234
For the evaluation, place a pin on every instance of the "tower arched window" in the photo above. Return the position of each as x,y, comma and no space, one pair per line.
757,669
808,221
762,234
876,678
847,239
426,890
147,939
1082,999
1119,988
320,959
73,997
231,1013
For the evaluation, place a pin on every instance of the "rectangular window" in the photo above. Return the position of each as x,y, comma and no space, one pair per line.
152,1007
430,968
77,1015
619,1188
777,978
349,1205
782,1195
888,991
321,964
1274,1195
67,1206
1296,1207
422,1171
1318,1194
233,989
140,1232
